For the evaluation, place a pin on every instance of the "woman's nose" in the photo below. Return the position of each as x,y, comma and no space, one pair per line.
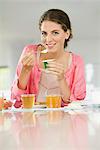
49,38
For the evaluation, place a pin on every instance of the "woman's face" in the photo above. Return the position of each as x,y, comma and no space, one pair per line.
53,36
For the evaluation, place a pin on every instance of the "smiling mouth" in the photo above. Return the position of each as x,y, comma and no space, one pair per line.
50,46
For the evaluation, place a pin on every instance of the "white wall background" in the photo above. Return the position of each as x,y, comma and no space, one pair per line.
19,27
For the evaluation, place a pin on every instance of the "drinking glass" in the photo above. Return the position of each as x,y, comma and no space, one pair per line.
1,100
28,100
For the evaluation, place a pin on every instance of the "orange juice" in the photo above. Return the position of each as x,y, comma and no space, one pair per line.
28,100
53,101
1,103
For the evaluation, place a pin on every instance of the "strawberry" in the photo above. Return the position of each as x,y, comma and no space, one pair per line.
18,104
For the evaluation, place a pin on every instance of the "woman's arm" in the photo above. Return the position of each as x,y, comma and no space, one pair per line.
27,65
20,84
78,85
65,90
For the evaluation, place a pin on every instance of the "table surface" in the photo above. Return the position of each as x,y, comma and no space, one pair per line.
50,130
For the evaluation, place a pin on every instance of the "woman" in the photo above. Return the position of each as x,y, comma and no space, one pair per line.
65,71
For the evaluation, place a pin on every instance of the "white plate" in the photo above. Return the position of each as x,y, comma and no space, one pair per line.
39,106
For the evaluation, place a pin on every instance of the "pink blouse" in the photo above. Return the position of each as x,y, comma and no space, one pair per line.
74,75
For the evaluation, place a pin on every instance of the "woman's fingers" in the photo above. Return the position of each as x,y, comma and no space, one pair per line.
54,64
28,59
56,69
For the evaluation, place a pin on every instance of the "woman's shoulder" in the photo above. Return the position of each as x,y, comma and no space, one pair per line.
76,58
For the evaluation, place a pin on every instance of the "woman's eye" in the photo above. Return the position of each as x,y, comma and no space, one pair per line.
55,33
43,33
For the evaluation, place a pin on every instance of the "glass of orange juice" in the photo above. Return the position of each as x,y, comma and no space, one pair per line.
28,100
1,101
53,101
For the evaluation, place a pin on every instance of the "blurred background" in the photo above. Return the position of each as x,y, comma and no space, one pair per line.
19,27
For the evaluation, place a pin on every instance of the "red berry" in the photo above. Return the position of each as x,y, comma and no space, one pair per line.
18,104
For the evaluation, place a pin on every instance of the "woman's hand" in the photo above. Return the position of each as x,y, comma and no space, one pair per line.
59,70
56,69
28,60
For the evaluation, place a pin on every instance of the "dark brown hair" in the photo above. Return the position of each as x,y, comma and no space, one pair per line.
60,17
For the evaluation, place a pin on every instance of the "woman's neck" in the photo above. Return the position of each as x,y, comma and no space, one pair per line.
58,55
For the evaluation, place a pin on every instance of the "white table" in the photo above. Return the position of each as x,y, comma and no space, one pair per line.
50,130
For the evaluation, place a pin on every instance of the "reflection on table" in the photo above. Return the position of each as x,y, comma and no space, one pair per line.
50,130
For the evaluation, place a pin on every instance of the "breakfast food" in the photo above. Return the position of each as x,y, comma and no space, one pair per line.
7,104
41,48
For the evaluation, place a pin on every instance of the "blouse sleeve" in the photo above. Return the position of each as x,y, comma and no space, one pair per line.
78,88
15,91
